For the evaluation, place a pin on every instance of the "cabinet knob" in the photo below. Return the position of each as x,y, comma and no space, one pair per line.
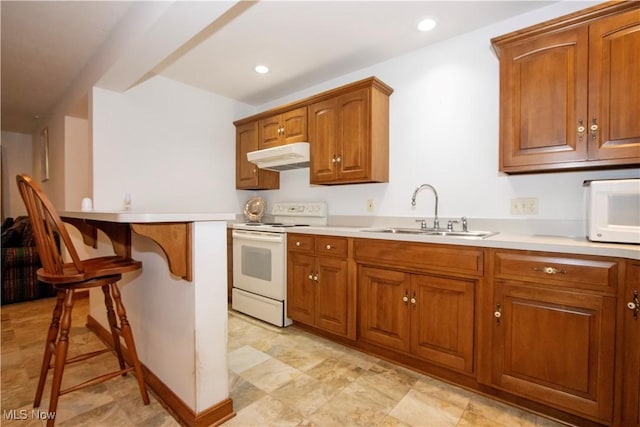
405,298
315,277
311,277
634,304
594,128
334,159
298,244
338,159
328,247
581,129
498,313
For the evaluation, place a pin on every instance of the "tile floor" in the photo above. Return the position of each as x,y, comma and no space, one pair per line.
278,377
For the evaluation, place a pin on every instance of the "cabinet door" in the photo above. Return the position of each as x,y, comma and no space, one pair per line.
294,125
354,142
248,175
442,326
283,128
270,132
555,347
614,94
300,288
543,94
631,352
323,125
331,295
384,317
246,141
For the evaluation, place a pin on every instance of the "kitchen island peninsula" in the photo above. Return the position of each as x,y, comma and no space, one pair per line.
178,306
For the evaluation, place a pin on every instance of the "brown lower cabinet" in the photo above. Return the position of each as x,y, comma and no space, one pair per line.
430,317
551,337
630,306
229,263
319,292
555,333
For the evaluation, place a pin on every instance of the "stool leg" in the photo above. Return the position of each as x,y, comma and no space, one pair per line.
49,345
61,354
113,323
125,329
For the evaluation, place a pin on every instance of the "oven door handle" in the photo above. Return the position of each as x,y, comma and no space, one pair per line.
259,236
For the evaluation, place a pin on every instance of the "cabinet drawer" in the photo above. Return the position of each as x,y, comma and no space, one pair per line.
558,270
331,246
420,256
300,243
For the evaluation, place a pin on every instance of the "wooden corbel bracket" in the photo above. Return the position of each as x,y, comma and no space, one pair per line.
174,238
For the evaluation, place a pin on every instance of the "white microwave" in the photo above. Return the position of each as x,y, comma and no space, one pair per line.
613,210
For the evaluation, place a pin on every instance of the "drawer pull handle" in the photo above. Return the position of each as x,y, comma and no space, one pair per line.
634,304
498,313
328,247
550,270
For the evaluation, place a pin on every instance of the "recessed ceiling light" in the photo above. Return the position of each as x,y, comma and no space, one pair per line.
262,69
427,24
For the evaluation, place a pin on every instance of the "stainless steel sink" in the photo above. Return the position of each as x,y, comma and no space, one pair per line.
471,234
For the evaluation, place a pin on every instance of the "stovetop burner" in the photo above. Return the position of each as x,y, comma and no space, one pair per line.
289,214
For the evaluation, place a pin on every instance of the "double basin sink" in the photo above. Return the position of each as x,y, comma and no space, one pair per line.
470,234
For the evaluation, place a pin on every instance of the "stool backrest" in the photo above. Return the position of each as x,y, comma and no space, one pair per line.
44,222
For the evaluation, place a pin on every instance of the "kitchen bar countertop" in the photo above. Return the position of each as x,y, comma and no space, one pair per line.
534,242
177,303
148,217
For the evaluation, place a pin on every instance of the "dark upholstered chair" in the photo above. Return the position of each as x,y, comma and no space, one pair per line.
67,279
20,262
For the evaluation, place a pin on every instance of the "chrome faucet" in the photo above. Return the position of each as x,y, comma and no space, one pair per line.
436,221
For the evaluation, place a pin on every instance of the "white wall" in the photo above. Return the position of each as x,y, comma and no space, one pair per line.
444,131
17,155
78,164
171,146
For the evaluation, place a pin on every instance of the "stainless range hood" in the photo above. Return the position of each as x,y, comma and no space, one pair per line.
282,158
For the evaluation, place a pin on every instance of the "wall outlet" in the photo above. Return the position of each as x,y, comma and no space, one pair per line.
524,206
371,207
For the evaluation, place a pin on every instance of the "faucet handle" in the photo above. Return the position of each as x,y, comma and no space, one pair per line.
423,223
465,226
450,224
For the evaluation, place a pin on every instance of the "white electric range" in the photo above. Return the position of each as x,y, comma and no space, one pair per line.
260,260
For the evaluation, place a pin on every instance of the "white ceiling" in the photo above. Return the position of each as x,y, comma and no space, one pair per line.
45,45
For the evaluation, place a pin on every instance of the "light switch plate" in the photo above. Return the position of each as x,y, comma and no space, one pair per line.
524,206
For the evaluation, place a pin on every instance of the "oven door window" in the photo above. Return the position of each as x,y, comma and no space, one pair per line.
256,262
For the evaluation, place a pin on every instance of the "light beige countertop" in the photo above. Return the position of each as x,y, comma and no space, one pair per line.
534,242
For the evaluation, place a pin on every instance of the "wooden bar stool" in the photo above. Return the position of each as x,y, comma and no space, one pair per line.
67,278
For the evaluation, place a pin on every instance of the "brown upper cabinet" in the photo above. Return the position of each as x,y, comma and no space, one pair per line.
248,175
281,129
347,129
349,136
568,92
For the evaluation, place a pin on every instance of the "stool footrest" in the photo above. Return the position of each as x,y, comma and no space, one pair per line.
96,380
85,356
